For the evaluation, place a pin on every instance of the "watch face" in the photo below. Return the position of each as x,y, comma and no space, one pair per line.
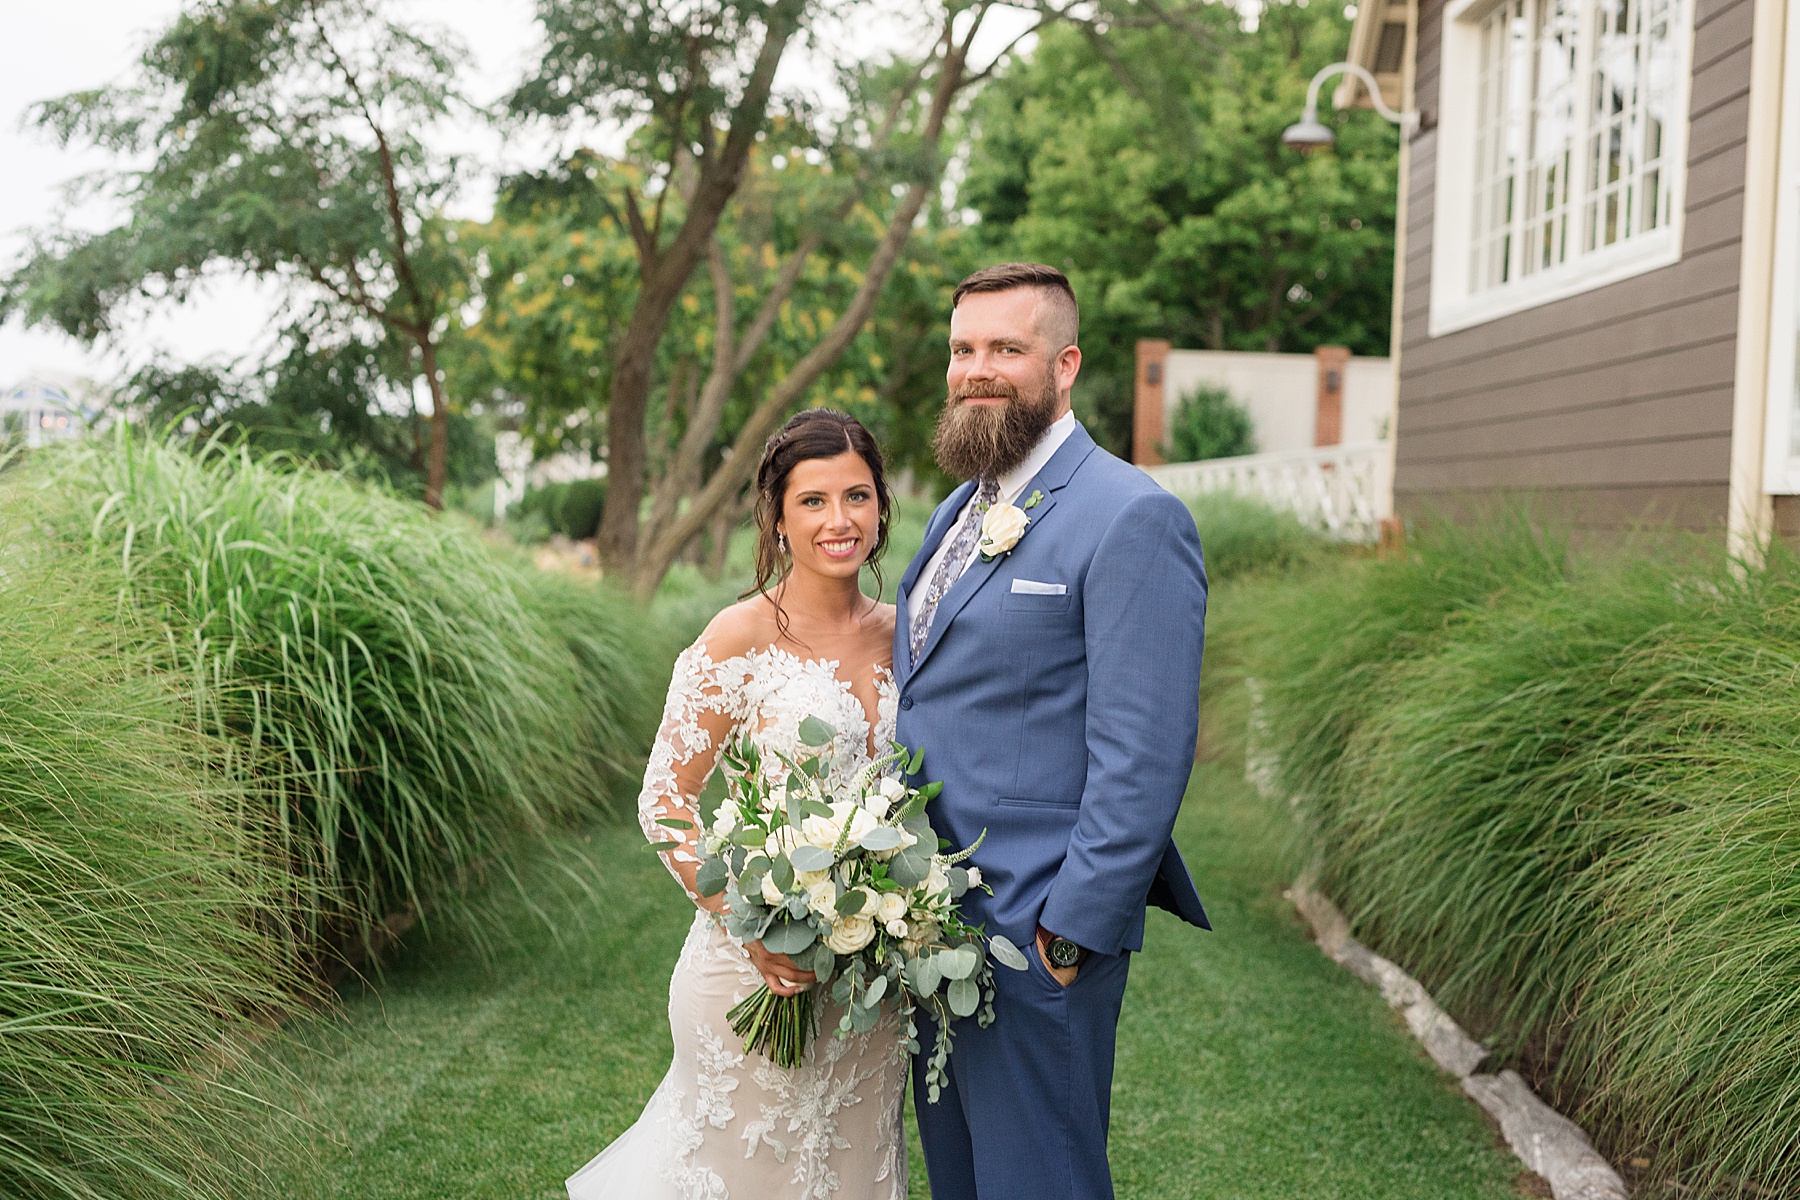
1064,953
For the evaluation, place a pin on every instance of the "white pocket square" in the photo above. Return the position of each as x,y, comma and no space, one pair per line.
1031,587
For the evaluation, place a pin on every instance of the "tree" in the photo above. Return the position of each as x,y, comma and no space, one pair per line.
694,82
284,140
1157,179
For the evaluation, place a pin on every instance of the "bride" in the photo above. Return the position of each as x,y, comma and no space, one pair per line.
726,1125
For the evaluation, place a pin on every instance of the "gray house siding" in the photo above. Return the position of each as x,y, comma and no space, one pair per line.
1614,405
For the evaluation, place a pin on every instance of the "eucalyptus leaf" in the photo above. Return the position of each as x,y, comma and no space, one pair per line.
788,937
882,837
964,997
928,976
824,961
876,990
959,882
853,901
782,872
909,867
811,858
863,1019
1008,954
959,963
815,808
749,835
814,732
711,878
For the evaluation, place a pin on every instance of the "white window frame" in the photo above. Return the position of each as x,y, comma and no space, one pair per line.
1453,305
1781,466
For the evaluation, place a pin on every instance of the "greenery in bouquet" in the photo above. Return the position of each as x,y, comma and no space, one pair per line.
847,878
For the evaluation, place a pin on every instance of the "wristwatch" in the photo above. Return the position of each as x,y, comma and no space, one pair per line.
1063,953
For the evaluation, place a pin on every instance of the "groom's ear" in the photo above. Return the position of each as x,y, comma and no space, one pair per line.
1067,366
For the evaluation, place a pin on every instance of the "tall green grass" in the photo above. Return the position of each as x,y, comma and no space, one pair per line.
1565,791
1242,536
414,703
138,916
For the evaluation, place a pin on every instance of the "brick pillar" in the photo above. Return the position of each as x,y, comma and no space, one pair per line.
1328,425
1147,419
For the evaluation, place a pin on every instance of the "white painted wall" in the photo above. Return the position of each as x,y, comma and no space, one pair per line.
1280,391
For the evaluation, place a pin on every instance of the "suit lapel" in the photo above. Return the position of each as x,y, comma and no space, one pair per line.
1052,479
941,523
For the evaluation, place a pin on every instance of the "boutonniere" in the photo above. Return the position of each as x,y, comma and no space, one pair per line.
1003,526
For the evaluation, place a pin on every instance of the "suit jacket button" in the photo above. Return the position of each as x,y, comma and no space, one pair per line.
906,702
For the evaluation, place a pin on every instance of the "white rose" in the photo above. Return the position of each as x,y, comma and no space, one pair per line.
820,831
974,877
850,934
725,821
937,881
770,893
888,793
897,929
892,907
871,903
1002,528
892,789
822,899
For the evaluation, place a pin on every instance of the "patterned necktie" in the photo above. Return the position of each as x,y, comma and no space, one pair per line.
954,562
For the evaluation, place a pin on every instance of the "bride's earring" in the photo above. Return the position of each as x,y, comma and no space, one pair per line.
781,543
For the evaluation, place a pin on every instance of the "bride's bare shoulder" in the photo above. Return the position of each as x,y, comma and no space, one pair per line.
739,629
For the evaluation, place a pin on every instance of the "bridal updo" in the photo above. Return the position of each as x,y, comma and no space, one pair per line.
815,433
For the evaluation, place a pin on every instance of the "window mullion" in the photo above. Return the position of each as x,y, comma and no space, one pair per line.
1581,192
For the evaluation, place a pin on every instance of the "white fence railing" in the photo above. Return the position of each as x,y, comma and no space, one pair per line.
1345,491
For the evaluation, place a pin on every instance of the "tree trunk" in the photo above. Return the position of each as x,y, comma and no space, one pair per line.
665,275
438,468
654,560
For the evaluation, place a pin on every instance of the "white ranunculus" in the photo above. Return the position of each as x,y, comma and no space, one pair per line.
974,876
822,899
725,821
850,934
892,907
897,928
1002,528
770,893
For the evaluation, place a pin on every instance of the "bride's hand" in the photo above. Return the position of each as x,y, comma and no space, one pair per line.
779,971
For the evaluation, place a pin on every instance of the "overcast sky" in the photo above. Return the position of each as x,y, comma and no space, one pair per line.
52,47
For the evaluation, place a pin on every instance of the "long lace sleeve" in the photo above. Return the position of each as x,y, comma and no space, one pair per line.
706,702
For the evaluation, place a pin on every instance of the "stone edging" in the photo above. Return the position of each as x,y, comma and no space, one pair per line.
1545,1140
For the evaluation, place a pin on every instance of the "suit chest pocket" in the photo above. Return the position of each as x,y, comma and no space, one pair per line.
1033,604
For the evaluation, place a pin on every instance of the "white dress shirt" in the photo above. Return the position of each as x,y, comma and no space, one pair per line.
1011,484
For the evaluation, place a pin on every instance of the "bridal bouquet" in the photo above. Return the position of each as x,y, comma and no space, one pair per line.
851,884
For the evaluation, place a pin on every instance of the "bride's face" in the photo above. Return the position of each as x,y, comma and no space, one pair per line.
831,515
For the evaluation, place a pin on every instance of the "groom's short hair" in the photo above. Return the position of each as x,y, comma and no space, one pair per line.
1059,317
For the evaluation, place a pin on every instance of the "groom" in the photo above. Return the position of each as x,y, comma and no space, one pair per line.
1048,655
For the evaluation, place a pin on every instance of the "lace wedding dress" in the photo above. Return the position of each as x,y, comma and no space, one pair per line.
725,1125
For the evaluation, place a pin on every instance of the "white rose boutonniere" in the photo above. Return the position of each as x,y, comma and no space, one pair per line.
1002,527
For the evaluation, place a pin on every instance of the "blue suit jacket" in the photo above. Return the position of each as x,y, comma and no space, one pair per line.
1064,724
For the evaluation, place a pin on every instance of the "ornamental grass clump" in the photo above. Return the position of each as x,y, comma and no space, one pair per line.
1571,808
411,709
1242,536
140,921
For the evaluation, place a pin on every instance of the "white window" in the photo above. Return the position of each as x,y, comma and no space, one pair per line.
1781,432
1561,150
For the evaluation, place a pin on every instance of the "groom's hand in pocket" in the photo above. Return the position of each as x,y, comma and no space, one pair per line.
1063,975
779,971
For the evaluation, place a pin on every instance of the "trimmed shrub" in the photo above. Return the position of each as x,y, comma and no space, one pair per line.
1566,796
1209,423
140,924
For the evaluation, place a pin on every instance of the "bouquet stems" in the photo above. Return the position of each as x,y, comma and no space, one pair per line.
780,1027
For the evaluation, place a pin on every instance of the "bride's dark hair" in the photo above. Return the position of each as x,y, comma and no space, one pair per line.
815,433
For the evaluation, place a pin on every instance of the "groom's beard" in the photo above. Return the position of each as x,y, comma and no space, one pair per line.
985,441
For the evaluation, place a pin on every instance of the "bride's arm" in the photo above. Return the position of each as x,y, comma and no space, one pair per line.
706,701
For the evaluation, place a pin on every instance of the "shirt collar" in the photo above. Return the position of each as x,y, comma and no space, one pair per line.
1013,482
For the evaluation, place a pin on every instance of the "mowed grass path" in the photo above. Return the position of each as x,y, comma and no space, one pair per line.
1250,1067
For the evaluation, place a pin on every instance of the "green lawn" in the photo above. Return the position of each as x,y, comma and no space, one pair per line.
1249,1065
